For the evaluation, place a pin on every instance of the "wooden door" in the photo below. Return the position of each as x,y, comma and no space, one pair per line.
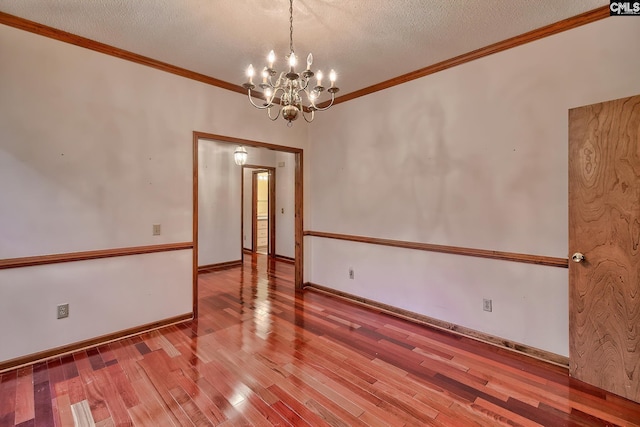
604,225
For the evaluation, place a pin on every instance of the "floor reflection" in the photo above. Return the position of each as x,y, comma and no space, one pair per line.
262,353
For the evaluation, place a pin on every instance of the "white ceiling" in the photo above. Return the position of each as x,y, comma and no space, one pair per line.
365,41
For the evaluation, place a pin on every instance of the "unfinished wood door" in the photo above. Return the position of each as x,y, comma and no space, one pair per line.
604,226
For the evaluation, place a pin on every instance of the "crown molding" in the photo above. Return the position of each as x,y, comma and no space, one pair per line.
63,36
548,30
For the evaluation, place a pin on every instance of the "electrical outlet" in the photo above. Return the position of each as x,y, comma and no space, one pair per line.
156,229
351,273
486,305
63,311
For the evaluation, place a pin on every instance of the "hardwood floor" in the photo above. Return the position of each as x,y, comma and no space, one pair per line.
261,354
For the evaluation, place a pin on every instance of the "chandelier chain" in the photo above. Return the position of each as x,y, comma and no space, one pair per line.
291,26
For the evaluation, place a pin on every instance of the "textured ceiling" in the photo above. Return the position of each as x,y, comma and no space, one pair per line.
365,41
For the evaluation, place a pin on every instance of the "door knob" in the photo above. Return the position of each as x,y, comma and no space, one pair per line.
577,257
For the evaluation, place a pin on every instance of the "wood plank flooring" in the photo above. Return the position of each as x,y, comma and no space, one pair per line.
262,354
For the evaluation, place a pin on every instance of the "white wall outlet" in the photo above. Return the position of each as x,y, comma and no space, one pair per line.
63,311
156,229
487,305
351,273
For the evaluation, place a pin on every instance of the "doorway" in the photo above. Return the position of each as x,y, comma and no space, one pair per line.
259,209
260,213
295,212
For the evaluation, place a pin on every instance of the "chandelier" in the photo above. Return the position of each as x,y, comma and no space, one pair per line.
290,86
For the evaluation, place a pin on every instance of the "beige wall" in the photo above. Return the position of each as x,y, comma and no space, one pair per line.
93,151
474,156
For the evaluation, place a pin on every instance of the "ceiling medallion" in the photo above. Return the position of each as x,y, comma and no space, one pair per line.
290,86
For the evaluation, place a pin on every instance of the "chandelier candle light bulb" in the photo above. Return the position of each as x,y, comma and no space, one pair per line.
271,59
250,73
290,87
292,61
309,61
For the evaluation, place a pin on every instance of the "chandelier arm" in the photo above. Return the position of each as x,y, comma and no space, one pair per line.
283,99
333,97
273,119
259,107
271,102
304,84
278,82
305,117
311,103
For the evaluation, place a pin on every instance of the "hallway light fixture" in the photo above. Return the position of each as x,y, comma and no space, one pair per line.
291,85
240,155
